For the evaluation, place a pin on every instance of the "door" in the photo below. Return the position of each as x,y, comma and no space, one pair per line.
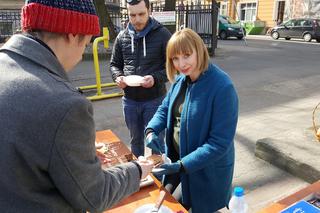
280,11
287,28
298,28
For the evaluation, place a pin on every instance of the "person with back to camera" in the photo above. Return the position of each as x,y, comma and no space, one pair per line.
140,50
48,159
200,114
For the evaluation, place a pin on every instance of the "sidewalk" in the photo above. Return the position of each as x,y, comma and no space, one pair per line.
259,37
284,139
294,149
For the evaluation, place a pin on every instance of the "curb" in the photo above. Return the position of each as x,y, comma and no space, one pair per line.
267,150
259,37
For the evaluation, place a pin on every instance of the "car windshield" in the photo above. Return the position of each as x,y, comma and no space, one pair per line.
223,21
231,20
227,20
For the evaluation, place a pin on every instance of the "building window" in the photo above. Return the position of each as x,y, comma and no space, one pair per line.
224,8
248,11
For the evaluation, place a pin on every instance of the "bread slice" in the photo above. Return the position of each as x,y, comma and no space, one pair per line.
156,159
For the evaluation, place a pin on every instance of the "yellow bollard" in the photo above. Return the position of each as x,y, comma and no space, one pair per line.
106,34
98,86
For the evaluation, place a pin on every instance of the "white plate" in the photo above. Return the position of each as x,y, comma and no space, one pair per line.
133,80
147,181
147,208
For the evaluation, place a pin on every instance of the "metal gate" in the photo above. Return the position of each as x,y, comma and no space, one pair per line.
200,18
203,20
9,23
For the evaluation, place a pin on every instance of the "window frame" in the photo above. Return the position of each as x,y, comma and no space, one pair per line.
244,8
226,9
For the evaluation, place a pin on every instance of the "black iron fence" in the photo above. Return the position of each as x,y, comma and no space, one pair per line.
200,18
119,19
203,20
9,23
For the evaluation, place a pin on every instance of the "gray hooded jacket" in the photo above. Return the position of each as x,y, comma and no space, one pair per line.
48,161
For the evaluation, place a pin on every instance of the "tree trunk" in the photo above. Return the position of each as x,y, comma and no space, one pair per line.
170,5
104,18
214,18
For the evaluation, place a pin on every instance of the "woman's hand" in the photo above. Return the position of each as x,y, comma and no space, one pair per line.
168,169
153,142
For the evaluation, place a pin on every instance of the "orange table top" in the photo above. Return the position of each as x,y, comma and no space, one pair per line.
148,194
291,199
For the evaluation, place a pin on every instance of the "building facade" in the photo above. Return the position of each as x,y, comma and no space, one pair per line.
267,12
270,12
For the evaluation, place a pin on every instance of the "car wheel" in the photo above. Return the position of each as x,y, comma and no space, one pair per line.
240,37
223,35
287,38
275,35
318,39
307,37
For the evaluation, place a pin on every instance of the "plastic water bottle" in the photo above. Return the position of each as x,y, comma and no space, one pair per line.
237,203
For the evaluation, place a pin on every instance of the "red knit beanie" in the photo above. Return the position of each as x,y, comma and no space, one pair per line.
60,16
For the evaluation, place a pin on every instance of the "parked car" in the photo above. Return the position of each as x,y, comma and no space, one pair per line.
305,28
230,28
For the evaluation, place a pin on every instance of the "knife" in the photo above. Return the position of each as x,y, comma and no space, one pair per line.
159,202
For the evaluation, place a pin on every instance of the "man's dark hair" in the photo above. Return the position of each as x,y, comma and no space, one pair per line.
134,2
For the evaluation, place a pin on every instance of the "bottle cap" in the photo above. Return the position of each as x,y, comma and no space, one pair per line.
238,191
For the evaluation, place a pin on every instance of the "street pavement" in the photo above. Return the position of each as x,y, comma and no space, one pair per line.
278,86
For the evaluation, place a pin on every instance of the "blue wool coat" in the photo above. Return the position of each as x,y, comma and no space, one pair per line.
208,124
